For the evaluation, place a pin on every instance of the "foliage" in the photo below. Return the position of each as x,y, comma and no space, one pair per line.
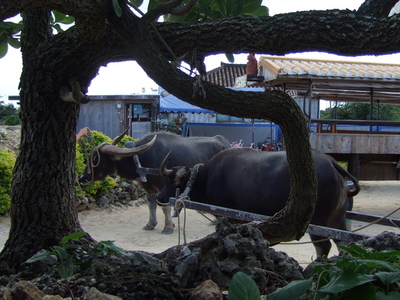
359,274
125,139
71,257
361,111
9,114
9,35
210,10
10,32
83,151
59,18
243,287
7,162
12,120
292,291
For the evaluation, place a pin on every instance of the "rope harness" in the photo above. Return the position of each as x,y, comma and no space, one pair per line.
179,204
87,146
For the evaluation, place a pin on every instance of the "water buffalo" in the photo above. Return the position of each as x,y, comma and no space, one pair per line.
259,182
119,161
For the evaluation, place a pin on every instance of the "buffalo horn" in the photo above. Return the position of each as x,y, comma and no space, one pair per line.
126,152
163,167
119,138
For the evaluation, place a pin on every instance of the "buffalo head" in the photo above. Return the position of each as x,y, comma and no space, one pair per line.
105,158
175,178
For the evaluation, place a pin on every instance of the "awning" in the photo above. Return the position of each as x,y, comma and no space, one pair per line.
170,103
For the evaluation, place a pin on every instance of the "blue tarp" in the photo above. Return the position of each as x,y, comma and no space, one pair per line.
170,103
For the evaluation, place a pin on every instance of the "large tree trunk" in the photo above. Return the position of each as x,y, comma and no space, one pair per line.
43,197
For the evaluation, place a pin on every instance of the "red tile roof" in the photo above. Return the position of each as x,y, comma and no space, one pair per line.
226,74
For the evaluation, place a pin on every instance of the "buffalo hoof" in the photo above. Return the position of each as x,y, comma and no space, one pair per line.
167,231
149,227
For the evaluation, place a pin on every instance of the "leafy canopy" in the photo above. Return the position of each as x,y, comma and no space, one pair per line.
203,10
361,111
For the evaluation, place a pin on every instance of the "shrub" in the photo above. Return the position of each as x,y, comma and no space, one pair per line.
125,139
83,150
72,257
7,162
12,120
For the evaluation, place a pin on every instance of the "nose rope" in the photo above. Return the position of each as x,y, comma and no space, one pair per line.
88,145
179,204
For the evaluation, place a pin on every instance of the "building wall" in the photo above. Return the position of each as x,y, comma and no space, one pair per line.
101,116
110,114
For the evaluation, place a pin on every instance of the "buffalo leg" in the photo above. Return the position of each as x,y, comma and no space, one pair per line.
322,248
169,224
321,244
151,202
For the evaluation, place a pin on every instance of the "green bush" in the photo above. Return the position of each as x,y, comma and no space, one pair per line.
125,139
12,120
73,257
83,150
7,162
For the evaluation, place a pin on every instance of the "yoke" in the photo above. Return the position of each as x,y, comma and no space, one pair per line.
143,171
337,234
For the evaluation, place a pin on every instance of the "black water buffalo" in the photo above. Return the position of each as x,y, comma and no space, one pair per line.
259,182
119,161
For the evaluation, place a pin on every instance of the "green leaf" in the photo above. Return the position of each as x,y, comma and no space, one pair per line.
243,287
262,11
388,277
61,252
65,270
14,43
234,7
38,256
110,247
393,295
137,3
230,57
345,281
117,8
293,290
379,264
205,2
221,4
75,236
3,49
62,18
251,6
17,27
364,292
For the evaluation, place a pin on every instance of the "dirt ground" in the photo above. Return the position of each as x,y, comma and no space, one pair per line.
124,225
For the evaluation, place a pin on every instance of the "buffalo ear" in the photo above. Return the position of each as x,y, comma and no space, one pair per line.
181,174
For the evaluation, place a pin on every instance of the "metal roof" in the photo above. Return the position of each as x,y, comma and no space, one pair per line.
342,81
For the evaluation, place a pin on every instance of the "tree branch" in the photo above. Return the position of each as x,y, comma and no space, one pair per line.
89,14
377,8
275,106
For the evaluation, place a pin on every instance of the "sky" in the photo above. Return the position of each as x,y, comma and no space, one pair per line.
128,78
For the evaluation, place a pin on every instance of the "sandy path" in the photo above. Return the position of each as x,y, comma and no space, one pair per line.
124,225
